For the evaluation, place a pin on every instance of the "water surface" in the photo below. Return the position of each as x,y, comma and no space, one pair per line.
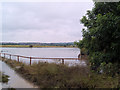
15,80
46,53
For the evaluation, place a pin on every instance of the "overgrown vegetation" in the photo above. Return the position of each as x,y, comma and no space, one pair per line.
4,78
101,39
47,75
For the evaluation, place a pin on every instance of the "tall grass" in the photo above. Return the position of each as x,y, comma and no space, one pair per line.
3,77
51,75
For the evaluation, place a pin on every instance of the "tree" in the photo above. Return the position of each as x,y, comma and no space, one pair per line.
102,36
30,46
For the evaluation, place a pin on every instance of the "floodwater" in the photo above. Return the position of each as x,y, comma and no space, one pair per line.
46,53
15,80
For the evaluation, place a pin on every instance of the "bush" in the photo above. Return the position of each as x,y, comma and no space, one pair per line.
4,78
102,63
102,36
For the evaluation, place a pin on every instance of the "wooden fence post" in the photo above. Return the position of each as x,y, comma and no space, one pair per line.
4,55
10,56
18,58
62,61
30,60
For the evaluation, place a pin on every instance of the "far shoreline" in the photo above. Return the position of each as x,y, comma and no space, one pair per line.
34,46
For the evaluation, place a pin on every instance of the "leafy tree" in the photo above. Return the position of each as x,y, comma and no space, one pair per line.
102,36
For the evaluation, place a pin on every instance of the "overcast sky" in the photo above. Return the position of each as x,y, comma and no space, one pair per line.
43,21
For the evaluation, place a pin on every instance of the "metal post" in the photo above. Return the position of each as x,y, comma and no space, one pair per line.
30,60
62,61
18,58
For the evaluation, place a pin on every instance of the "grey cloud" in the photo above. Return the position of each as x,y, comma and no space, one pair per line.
52,19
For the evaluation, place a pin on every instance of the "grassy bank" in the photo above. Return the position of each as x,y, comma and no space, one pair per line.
61,76
35,46
3,78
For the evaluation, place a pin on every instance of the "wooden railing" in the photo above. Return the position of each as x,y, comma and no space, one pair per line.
30,58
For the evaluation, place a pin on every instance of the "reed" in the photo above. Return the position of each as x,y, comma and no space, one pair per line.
51,75
3,77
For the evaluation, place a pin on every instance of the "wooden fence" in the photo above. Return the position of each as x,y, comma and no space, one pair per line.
30,58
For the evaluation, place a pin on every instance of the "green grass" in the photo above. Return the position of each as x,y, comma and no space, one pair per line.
34,46
50,75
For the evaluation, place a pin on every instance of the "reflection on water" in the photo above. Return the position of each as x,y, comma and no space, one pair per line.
15,81
46,53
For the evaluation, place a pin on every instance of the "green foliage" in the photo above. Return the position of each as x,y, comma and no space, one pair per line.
102,36
4,78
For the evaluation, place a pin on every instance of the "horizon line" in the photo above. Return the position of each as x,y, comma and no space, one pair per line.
35,42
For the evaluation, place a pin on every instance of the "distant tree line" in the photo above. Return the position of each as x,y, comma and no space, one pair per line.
42,44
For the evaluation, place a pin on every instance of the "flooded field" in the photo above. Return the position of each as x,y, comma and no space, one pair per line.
46,53
15,80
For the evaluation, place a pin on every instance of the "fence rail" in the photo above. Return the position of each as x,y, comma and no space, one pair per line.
30,58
